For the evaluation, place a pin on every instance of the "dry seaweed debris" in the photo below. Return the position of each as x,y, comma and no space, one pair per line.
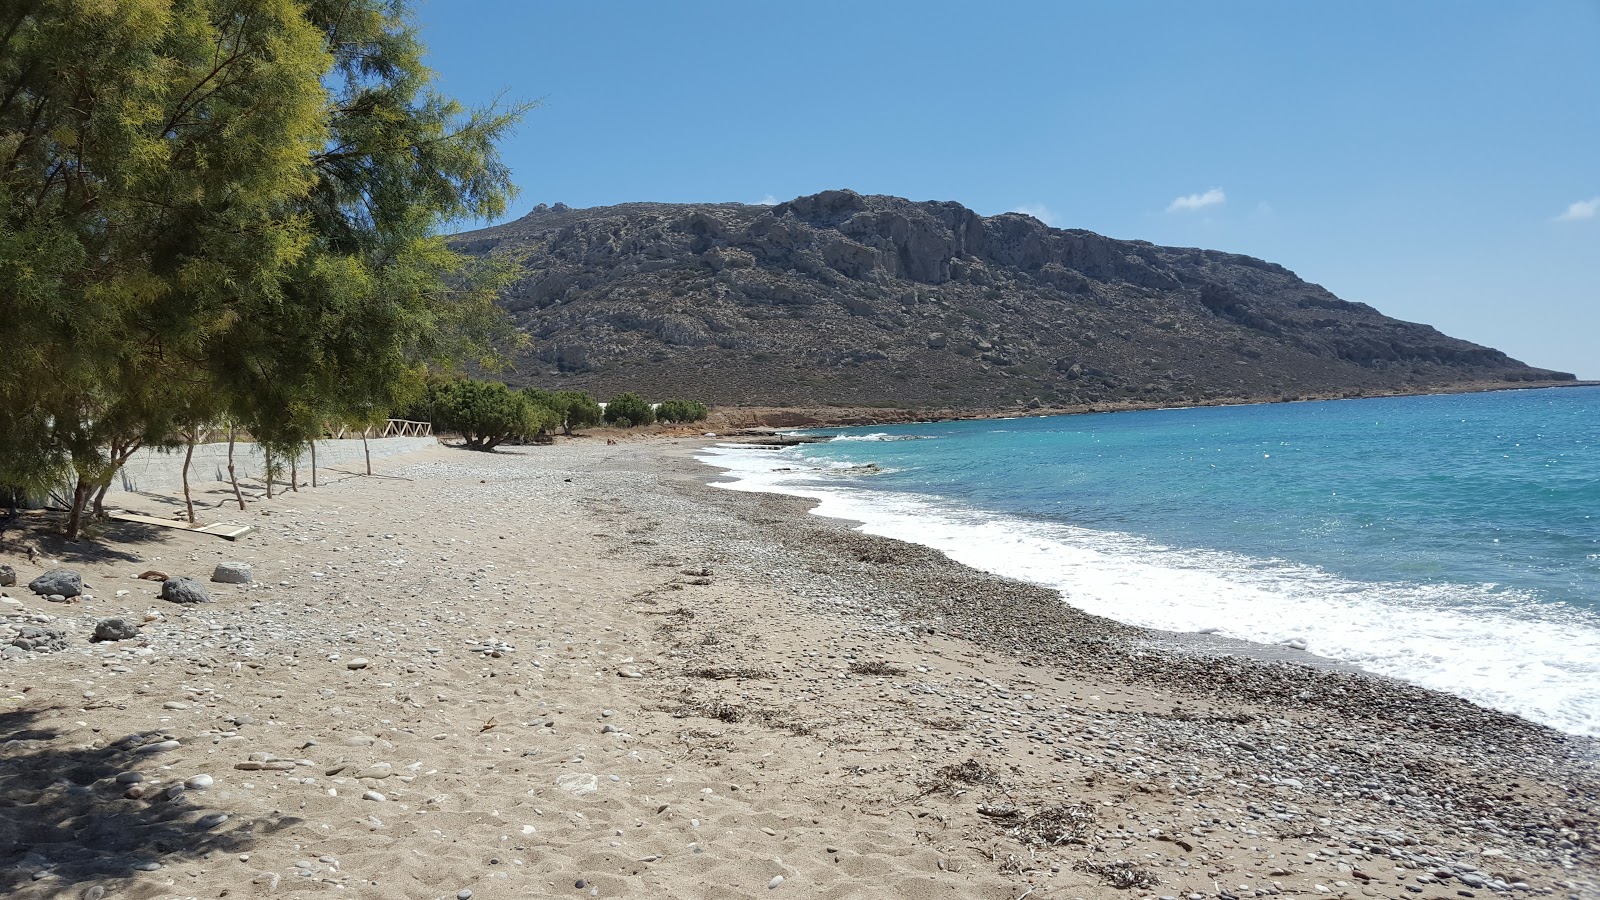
1118,874
949,780
1056,825
716,673
876,667
690,706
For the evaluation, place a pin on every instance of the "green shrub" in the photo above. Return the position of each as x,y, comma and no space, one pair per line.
487,413
682,411
630,408
572,409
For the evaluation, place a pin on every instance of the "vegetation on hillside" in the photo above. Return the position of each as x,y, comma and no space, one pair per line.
227,210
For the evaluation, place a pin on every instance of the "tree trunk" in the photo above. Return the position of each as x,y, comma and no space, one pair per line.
313,462
80,496
120,456
294,472
268,471
233,476
188,457
367,450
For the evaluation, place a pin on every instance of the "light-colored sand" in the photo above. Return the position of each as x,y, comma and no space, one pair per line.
670,706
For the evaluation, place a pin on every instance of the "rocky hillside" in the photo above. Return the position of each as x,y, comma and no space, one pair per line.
845,299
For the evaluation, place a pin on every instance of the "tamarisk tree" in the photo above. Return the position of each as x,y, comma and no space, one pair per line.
237,199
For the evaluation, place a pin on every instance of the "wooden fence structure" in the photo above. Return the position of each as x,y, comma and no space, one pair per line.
390,428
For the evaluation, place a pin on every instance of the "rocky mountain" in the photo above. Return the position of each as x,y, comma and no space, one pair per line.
845,299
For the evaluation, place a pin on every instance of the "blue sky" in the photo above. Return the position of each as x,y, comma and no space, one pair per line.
1438,160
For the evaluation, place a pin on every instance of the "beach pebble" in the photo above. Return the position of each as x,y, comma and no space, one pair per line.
776,880
199,782
129,778
464,894
359,662
158,747
373,795
212,820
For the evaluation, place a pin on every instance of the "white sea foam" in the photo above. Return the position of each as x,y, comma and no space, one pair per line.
878,436
1495,647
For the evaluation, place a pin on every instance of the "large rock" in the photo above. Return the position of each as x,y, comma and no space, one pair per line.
65,582
184,590
40,640
232,573
115,630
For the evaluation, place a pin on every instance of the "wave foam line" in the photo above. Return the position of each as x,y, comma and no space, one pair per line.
1502,649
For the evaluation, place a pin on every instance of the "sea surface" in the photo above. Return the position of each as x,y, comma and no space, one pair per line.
1450,541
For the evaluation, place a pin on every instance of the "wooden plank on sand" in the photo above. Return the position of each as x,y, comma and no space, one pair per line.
227,530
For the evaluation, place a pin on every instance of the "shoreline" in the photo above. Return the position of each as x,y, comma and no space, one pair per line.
511,672
845,416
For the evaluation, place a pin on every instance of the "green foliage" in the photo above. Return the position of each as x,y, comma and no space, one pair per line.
487,413
574,409
231,208
682,411
629,409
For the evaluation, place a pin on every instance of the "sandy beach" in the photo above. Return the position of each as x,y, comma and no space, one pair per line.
579,671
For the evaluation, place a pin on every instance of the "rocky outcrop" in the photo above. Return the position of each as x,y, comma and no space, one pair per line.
844,298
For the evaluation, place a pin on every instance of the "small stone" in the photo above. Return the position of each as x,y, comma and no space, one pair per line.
359,662
116,629
129,778
184,590
95,893
63,582
134,792
199,782
776,880
212,820
374,795
232,573
580,884
157,747
464,894
8,576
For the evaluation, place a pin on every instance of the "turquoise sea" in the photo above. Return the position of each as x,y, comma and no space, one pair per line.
1451,541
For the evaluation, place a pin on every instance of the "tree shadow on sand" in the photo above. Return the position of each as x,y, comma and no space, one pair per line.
66,827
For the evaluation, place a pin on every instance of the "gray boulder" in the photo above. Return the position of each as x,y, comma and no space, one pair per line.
8,576
115,630
64,582
40,640
184,590
232,573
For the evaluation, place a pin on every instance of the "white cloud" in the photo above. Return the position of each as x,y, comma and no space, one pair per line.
1039,211
1583,209
767,200
1192,202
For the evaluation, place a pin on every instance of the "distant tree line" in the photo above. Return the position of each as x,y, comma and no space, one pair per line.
488,413
228,211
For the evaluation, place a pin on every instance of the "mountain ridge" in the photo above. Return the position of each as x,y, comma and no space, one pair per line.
839,298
